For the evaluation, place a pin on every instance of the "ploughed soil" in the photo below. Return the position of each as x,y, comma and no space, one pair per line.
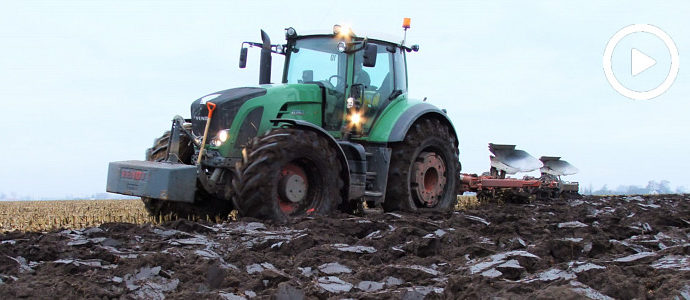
596,247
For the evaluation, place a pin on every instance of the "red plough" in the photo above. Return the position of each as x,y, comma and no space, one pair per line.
506,160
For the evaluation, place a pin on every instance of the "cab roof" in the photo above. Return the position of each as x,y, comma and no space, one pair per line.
378,38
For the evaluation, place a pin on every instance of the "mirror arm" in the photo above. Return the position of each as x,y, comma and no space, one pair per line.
252,44
274,48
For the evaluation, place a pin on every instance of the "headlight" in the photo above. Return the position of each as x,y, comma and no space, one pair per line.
342,30
290,32
220,138
223,135
342,46
356,118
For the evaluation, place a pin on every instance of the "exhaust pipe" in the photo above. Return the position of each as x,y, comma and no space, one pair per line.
265,62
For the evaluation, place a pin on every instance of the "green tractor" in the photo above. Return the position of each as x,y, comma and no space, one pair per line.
338,131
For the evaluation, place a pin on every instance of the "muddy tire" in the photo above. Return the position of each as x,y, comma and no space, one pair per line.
288,173
204,206
543,194
424,168
160,147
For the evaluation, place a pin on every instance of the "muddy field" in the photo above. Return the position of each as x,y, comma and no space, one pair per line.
601,248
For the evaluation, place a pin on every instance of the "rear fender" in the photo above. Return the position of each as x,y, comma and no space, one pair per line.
398,117
417,112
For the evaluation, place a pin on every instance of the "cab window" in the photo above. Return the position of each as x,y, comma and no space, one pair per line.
317,60
378,78
400,71
379,82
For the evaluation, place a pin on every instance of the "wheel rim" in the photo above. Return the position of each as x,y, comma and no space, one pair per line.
428,178
293,186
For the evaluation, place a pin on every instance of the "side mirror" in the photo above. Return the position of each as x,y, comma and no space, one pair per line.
243,58
369,56
308,76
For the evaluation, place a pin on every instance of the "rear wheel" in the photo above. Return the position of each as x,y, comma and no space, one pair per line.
288,172
204,206
423,173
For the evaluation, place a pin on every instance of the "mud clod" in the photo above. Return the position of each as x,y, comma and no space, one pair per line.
594,247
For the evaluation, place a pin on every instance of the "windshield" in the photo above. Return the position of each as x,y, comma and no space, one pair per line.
315,60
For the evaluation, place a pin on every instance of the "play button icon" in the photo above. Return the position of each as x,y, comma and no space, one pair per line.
639,62
647,69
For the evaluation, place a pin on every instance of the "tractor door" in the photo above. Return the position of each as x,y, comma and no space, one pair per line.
382,82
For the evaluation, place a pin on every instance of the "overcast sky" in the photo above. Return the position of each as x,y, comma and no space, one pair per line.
83,83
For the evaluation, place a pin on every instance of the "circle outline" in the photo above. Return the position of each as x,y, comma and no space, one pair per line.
670,78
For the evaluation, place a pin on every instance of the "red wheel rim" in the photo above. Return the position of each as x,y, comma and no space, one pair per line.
293,186
428,178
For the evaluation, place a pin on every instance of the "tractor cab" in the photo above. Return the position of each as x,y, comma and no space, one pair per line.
359,76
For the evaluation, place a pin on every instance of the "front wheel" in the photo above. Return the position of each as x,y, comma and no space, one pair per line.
424,168
288,172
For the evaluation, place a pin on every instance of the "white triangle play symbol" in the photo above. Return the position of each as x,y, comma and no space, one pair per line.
639,62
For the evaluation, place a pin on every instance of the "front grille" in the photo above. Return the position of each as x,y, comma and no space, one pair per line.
222,118
250,127
228,103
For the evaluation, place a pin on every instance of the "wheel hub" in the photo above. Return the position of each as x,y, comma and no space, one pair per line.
292,187
428,179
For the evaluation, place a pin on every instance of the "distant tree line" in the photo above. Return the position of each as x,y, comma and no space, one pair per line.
653,187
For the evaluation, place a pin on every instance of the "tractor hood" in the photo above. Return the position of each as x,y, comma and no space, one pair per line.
228,103
246,112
